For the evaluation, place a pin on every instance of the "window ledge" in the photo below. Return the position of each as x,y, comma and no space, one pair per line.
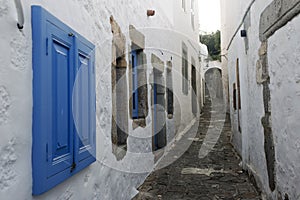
140,122
158,154
120,151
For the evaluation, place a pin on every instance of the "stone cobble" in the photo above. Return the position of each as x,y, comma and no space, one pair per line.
218,175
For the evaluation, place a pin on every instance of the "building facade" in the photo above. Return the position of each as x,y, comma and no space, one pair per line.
260,47
92,93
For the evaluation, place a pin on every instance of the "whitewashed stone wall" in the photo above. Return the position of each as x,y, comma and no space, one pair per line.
283,62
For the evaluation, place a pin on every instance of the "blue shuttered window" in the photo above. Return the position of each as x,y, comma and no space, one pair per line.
135,113
64,126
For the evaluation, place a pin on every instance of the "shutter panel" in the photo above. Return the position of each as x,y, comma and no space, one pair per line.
59,62
52,114
134,85
84,89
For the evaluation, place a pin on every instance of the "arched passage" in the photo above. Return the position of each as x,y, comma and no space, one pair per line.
213,80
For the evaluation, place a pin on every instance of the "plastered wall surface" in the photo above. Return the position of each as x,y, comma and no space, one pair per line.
250,143
282,49
90,19
284,64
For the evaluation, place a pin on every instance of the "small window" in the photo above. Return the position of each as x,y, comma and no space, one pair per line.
238,84
170,95
194,88
193,14
64,102
234,96
185,84
183,4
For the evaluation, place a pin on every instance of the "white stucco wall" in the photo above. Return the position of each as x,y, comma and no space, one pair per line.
182,20
183,32
283,61
106,178
249,143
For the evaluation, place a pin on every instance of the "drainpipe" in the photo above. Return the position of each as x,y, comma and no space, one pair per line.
20,13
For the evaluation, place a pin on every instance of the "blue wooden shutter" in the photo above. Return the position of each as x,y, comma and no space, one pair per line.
86,96
59,64
135,112
57,151
52,114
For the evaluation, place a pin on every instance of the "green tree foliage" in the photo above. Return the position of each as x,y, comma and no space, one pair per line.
212,41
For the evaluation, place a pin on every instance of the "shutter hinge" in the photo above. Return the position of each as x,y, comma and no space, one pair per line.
73,166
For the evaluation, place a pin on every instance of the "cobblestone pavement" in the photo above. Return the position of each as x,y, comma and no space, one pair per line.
216,176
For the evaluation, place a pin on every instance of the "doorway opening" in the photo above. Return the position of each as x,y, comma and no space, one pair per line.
159,139
194,90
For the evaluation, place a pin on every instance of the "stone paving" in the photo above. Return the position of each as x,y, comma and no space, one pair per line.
216,176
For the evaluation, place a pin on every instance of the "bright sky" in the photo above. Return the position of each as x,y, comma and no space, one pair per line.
209,15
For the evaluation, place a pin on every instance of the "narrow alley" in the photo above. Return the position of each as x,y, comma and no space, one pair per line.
157,99
216,176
